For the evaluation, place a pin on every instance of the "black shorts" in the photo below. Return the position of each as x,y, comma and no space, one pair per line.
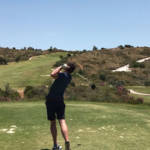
55,109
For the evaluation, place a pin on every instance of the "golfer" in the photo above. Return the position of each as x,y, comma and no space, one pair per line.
55,103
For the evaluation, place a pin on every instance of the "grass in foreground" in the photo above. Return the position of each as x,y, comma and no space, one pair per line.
92,126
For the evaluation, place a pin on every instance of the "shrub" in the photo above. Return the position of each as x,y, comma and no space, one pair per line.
72,84
93,86
81,72
128,46
35,92
135,64
4,99
68,55
121,46
11,93
102,77
3,61
8,94
147,83
18,58
139,101
94,48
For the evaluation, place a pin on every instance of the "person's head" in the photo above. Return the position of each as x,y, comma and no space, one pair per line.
71,67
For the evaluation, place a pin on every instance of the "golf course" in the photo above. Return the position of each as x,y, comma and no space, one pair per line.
75,75
92,125
97,126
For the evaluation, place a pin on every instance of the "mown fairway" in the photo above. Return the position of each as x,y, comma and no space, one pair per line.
24,73
93,126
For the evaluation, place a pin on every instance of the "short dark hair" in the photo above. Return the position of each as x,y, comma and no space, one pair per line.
71,67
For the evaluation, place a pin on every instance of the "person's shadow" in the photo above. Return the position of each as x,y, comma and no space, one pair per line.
45,149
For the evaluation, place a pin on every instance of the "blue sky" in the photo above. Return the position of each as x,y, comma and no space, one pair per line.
74,24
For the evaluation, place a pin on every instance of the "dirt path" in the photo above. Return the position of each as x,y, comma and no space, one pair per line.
138,93
30,58
21,93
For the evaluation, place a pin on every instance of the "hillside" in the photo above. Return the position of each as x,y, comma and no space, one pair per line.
93,79
25,73
16,55
97,65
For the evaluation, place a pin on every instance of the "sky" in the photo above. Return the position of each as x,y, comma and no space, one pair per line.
74,24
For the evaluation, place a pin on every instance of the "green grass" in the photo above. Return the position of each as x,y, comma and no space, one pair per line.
92,126
25,73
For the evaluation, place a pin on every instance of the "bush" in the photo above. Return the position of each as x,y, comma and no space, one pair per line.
72,84
3,61
81,72
4,99
147,83
128,46
139,101
94,48
121,46
35,92
135,64
93,86
102,77
8,94
124,95
18,58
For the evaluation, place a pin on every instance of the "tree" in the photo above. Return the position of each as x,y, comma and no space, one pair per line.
50,49
3,61
121,46
128,46
95,48
18,58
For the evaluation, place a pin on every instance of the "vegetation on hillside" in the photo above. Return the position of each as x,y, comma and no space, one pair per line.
93,79
97,65
16,55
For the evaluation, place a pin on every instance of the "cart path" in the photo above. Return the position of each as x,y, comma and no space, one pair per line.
138,93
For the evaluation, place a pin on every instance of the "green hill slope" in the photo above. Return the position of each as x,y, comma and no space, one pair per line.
29,72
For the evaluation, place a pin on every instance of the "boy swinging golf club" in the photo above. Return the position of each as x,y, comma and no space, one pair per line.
55,103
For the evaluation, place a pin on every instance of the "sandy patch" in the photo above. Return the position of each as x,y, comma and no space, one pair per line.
11,130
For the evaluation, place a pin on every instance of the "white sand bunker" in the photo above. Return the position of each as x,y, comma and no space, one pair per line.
11,130
126,67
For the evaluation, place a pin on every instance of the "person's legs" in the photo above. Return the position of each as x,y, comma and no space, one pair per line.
64,129
53,130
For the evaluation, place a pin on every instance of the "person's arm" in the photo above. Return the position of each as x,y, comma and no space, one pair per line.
55,72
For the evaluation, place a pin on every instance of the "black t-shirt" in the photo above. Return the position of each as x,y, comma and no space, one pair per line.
58,87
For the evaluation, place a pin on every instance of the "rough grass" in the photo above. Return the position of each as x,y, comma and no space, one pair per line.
25,73
93,126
